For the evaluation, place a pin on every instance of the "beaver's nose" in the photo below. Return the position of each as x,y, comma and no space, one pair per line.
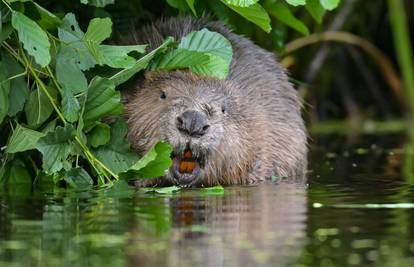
193,123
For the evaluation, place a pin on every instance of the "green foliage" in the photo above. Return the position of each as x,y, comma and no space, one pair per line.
59,83
154,163
23,139
34,39
204,52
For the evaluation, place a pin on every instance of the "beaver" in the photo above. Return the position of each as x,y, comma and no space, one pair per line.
237,130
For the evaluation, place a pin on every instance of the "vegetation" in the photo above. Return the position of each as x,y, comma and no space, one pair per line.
59,82
61,75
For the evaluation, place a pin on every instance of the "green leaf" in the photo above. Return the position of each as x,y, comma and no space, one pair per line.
99,135
23,139
4,91
181,5
215,67
117,154
78,178
140,64
190,3
315,9
18,88
98,30
68,71
97,3
330,4
154,163
215,190
34,39
38,108
117,56
102,100
55,148
241,3
180,58
47,19
208,42
16,174
161,190
296,2
70,33
254,13
283,13
5,32
204,52
70,106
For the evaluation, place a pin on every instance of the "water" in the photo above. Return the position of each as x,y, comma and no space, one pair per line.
355,211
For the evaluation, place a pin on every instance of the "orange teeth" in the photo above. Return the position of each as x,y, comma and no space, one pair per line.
187,166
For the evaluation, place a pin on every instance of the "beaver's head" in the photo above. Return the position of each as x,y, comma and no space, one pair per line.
199,116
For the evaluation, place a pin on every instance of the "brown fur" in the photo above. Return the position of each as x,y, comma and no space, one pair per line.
261,132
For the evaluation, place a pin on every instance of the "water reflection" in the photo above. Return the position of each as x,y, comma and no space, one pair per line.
249,226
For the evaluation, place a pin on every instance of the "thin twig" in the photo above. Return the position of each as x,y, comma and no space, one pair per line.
383,62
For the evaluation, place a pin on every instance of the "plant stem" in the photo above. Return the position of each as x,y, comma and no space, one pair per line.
403,47
43,88
54,79
7,5
91,158
94,159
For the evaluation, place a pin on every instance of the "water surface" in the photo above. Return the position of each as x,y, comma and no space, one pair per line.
355,210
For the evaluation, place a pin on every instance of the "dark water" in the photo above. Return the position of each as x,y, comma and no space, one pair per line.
356,210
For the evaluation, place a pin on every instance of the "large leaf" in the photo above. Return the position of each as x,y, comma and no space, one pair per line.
34,39
315,9
68,71
254,13
117,56
97,3
78,178
71,35
5,32
38,108
117,154
99,135
15,174
55,148
102,100
4,92
330,4
124,75
208,42
282,12
153,164
180,58
241,3
215,67
98,30
204,52
70,106
23,139
18,88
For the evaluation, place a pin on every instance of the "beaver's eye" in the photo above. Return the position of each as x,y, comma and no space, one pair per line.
163,95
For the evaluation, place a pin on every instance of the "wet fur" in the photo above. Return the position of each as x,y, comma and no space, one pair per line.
261,133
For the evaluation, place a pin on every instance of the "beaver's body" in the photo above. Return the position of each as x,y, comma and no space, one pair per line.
239,130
